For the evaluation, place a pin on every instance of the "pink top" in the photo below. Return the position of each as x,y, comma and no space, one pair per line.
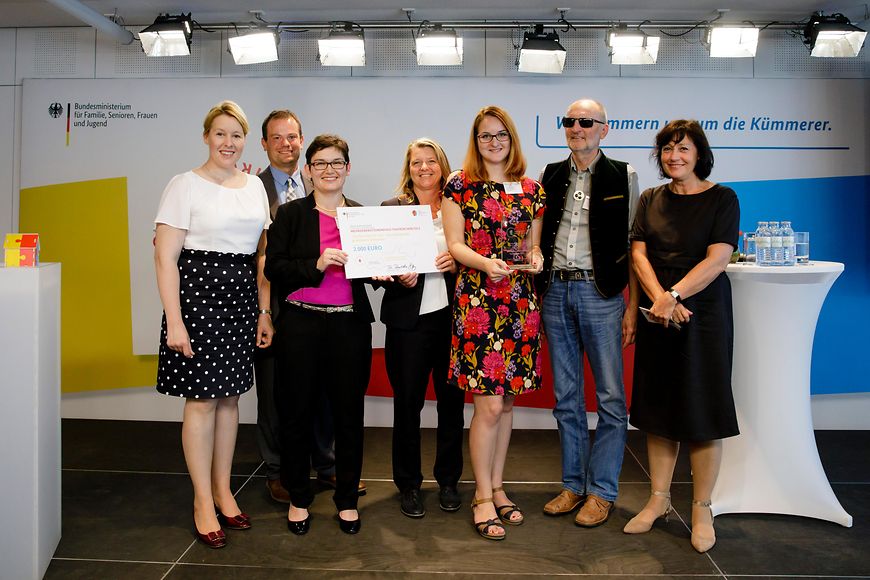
334,289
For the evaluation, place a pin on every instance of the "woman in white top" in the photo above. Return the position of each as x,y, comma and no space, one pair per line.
416,311
209,252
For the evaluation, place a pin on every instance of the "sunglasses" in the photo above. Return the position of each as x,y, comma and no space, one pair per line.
585,122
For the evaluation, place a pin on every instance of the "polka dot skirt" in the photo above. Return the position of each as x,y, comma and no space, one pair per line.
219,310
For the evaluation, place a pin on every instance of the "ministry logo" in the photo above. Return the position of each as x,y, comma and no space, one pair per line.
55,110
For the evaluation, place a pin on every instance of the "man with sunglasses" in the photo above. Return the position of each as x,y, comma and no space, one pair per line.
591,201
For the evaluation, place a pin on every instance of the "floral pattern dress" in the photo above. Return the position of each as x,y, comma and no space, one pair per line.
496,342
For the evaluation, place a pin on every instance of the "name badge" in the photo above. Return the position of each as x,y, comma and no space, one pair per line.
513,187
582,198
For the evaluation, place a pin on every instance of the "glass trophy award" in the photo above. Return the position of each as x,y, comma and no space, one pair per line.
517,246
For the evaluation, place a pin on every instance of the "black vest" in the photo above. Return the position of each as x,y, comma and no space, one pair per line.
608,222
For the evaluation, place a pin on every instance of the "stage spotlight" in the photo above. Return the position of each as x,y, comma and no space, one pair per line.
254,47
438,47
833,36
168,36
732,41
541,52
632,46
343,47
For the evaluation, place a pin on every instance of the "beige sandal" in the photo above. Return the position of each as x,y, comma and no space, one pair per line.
637,525
484,527
505,511
703,542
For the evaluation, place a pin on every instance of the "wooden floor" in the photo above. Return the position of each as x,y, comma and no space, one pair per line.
127,515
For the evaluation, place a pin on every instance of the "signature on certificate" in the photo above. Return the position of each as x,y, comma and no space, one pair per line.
402,267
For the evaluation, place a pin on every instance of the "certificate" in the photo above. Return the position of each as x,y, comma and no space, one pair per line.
386,241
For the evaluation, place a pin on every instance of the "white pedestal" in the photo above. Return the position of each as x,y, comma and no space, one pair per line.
29,419
773,466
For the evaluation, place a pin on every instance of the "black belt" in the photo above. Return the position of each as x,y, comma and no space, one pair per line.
574,275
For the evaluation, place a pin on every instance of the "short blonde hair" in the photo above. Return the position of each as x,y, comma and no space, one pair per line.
406,185
225,108
515,164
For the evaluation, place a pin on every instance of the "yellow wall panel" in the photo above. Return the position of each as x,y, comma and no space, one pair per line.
83,225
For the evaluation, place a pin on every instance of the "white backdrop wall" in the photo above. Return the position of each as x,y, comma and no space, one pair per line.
83,54
378,117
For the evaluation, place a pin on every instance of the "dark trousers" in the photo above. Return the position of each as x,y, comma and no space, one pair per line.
411,356
319,353
269,425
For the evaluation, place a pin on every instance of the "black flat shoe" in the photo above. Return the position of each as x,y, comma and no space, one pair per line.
412,505
448,498
300,528
349,526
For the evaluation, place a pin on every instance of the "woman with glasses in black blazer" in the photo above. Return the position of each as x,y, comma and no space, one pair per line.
323,335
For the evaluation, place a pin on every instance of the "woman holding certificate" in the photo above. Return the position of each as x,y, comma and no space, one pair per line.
323,335
416,311
492,221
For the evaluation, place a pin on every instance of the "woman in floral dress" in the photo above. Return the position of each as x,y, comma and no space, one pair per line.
495,351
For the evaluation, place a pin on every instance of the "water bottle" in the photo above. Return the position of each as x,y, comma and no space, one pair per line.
776,257
762,245
788,247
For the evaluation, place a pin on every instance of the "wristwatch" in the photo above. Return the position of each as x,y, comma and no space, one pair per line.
675,294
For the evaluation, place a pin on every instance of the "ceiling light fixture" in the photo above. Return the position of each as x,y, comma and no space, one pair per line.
541,52
343,46
168,36
438,47
632,46
259,45
732,41
833,36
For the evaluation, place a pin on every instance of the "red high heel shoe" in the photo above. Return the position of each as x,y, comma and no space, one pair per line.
212,539
239,522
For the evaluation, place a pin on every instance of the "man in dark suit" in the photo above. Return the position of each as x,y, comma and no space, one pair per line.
283,141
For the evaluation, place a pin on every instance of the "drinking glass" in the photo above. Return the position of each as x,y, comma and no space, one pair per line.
802,247
748,247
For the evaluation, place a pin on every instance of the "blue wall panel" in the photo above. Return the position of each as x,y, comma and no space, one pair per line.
836,212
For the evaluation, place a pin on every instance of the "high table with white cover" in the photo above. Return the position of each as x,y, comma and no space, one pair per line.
30,500
773,466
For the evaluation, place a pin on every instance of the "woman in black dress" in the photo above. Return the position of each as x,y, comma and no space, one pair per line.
682,239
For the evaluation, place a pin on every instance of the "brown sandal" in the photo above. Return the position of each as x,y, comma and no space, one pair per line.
483,527
507,510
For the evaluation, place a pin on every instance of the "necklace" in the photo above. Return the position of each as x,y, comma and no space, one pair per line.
327,210
434,205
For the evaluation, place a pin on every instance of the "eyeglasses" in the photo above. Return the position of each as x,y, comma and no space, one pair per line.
585,122
321,165
501,136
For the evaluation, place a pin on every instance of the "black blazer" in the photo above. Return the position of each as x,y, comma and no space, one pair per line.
400,306
292,250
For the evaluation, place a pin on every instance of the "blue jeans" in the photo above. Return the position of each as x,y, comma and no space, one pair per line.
577,318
